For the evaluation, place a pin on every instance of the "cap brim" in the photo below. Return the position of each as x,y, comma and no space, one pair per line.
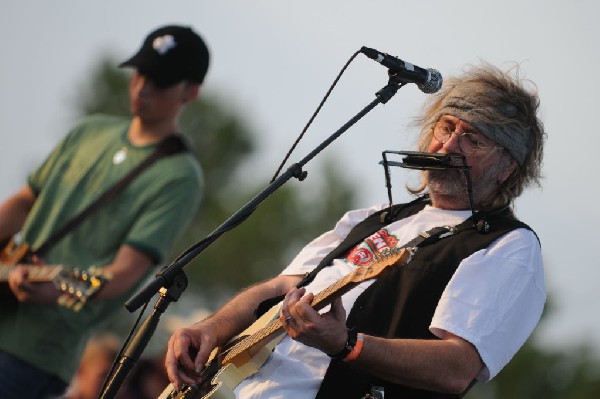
158,78
131,62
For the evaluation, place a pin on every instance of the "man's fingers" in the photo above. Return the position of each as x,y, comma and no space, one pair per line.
179,360
304,310
287,313
203,354
184,350
171,366
18,283
337,309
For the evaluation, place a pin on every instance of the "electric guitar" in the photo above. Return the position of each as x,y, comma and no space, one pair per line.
247,352
77,285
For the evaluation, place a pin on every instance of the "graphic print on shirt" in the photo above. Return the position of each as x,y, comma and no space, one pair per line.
378,242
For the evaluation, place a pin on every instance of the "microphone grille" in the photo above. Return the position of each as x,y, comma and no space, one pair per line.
434,83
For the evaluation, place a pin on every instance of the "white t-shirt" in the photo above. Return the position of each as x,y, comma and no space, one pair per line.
494,300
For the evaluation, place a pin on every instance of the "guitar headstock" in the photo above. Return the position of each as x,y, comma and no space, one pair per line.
382,262
78,286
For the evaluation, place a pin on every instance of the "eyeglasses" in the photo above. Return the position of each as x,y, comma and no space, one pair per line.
468,142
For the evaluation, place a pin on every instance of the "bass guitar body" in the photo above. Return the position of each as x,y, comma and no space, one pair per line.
220,381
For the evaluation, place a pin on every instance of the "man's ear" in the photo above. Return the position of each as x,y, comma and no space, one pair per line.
505,174
191,92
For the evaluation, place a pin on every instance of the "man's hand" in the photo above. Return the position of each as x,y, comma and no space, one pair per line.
189,348
326,332
44,293
188,351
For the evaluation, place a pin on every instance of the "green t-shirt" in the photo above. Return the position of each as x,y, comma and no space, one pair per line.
149,215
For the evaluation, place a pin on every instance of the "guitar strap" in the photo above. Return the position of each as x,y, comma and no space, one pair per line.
171,145
363,229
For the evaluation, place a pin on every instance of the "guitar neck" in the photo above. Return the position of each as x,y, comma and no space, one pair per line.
335,290
322,299
36,274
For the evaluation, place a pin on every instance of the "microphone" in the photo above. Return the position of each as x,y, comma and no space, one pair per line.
428,80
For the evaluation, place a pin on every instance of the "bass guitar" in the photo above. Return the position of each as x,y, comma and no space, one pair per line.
247,352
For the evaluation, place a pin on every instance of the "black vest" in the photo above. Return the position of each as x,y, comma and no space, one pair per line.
401,305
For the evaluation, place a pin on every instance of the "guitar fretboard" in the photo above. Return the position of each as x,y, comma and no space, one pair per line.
36,273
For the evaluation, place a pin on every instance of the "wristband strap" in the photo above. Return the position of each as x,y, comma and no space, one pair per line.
350,345
353,355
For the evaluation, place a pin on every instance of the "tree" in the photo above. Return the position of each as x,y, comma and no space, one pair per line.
542,373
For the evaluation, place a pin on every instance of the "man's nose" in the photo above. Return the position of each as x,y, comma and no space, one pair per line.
452,144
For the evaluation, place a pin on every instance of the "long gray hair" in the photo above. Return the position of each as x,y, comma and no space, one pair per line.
500,106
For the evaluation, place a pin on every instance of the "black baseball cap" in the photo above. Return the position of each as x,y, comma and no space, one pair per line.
171,54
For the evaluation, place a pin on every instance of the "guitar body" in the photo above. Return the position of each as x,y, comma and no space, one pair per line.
248,362
219,382
222,385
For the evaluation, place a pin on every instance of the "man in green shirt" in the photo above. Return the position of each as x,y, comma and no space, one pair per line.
42,337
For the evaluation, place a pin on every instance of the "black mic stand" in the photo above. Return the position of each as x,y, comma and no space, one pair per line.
169,275
137,345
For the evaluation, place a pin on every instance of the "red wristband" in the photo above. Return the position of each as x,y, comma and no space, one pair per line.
353,355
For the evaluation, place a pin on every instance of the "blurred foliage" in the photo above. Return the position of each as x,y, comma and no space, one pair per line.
106,91
544,373
536,373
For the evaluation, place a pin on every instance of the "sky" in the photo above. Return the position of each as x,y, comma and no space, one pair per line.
273,61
